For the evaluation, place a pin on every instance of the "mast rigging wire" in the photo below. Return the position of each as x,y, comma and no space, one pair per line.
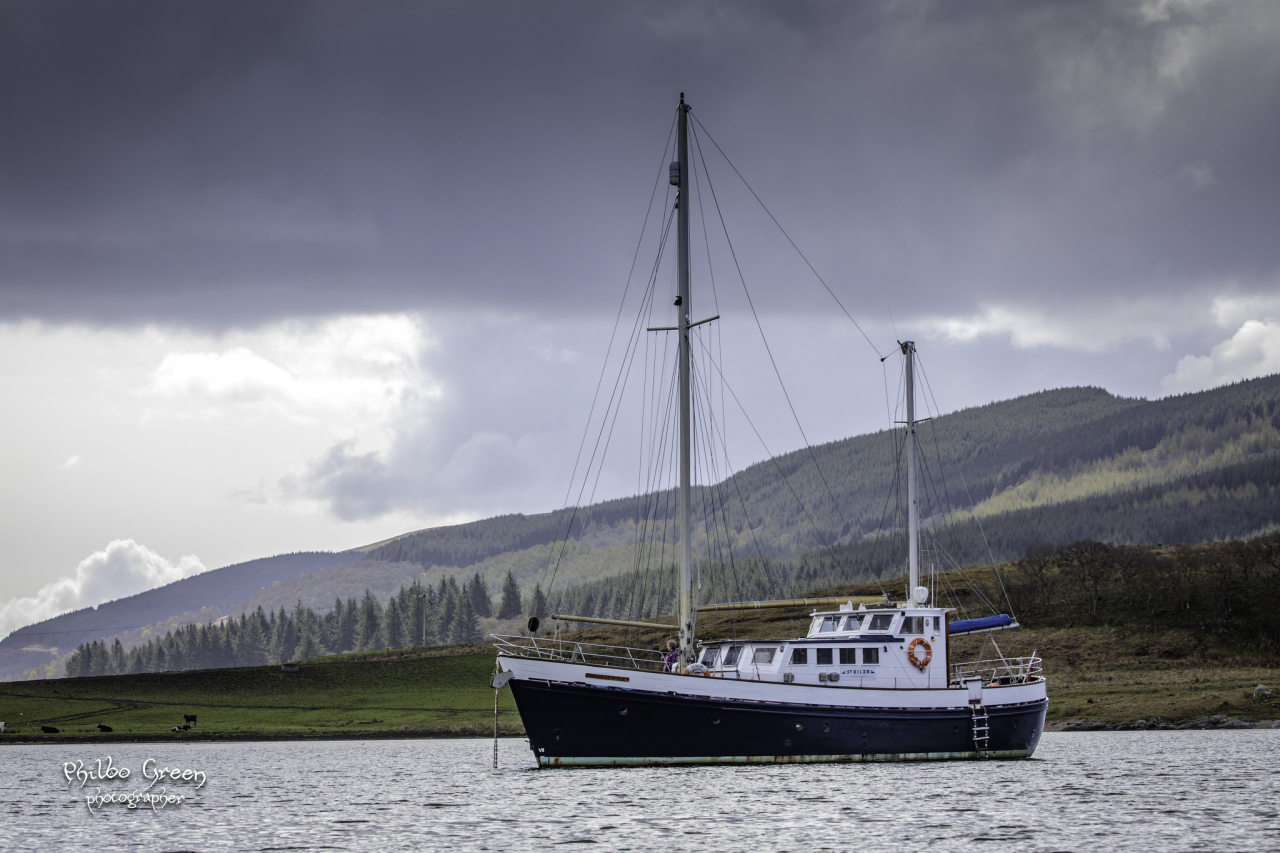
760,327
784,233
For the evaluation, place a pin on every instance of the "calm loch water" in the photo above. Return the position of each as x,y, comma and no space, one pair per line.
1148,791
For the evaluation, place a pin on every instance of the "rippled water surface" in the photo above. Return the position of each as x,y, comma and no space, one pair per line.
1145,791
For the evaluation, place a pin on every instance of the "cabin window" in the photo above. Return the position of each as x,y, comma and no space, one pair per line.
853,623
709,656
848,656
871,656
881,622
935,623
799,656
764,656
828,624
913,625
824,657
731,656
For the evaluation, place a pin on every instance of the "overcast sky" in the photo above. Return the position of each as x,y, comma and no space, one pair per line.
285,276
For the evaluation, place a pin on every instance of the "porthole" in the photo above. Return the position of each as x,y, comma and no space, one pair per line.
799,726
826,726
622,712
557,734
715,721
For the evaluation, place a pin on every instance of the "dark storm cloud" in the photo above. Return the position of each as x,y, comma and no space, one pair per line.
230,163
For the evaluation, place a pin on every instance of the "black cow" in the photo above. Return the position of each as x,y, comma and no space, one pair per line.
49,730
182,728
103,728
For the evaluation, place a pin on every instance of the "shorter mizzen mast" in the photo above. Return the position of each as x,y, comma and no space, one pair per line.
916,594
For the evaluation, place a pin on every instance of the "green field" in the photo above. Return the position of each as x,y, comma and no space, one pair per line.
387,694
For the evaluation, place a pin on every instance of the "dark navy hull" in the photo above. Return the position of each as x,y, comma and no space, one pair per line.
572,724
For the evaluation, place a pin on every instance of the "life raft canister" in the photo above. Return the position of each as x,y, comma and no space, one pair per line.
919,663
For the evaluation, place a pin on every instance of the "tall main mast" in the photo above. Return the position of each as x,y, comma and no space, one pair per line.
685,308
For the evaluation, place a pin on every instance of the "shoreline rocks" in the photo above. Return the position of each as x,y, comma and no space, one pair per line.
1213,723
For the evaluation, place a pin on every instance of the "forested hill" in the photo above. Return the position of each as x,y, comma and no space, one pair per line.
859,469
1038,450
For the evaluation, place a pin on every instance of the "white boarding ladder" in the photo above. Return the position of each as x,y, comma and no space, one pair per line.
981,727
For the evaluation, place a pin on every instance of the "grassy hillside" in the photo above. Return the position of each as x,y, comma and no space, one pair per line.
387,694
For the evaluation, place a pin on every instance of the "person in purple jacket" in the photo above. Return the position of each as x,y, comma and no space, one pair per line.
673,655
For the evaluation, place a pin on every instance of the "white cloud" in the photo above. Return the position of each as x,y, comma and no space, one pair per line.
1254,350
122,569
234,376
1092,327
1230,312
355,373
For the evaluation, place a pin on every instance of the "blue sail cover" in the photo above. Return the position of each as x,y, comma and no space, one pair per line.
963,625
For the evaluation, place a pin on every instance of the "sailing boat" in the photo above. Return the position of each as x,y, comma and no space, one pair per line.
871,681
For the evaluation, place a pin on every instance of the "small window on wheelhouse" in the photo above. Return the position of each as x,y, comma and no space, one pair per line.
824,657
764,656
871,656
709,656
731,656
852,623
848,656
799,656
913,625
881,622
829,624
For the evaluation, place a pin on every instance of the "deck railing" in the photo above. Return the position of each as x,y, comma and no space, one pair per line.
999,670
548,648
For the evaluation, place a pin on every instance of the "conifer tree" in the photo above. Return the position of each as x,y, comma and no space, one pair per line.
510,607
276,651
466,624
538,602
481,600
369,625
347,637
253,642
308,646
448,610
393,625
332,624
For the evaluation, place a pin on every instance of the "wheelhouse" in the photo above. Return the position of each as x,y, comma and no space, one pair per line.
890,647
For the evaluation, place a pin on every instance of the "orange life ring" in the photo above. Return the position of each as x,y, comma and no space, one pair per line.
911,653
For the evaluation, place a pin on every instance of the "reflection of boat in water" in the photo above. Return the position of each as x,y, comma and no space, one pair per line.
872,680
